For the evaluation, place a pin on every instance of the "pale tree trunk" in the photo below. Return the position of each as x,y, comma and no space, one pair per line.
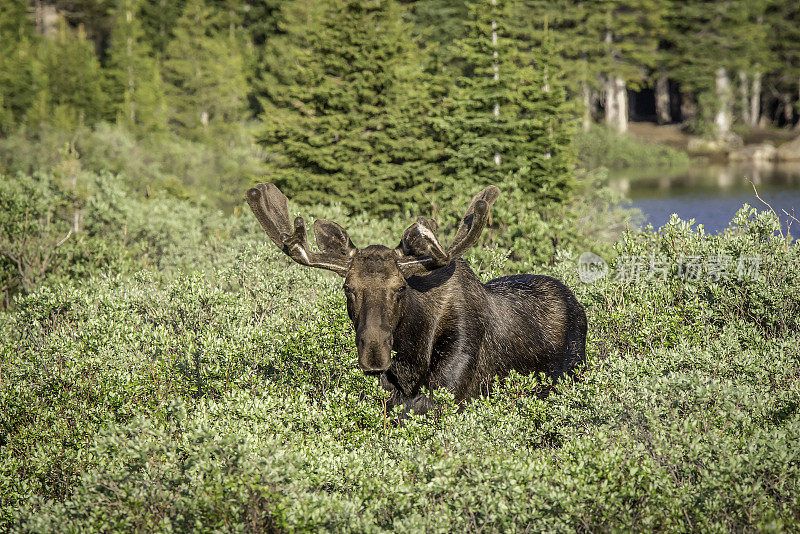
788,109
588,97
755,90
616,97
587,107
744,96
797,126
767,117
131,89
546,89
73,168
755,100
610,89
688,106
496,68
46,18
162,27
621,92
76,216
663,111
722,121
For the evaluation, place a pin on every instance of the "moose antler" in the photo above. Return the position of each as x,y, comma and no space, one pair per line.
271,208
421,251
474,221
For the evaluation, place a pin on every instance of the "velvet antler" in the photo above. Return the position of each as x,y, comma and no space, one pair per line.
271,208
420,249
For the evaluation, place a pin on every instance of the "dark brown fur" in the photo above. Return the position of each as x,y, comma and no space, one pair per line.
420,301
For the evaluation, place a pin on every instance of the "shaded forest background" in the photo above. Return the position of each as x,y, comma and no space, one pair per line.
113,111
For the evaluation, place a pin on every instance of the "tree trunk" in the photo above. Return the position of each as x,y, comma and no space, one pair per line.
587,107
722,121
131,85
744,96
610,89
616,104
788,109
610,86
688,106
74,168
496,68
621,92
755,100
663,111
797,124
46,18
162,27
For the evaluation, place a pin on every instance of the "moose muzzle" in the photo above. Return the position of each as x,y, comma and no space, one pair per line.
374,349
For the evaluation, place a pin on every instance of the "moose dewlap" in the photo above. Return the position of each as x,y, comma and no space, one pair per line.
420,300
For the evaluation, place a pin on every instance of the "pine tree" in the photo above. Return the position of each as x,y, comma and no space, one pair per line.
753,59
783,39
573,52
73,76
91,16
203,72
260,23
439,21
506,119
714,39
346,115
159,20
625,36
21,78
135,88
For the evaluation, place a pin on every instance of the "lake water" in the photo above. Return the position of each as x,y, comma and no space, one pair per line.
711,193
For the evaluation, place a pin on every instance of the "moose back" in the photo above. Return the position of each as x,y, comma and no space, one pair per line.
423,302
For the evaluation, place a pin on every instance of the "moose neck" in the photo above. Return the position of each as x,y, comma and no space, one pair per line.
428,302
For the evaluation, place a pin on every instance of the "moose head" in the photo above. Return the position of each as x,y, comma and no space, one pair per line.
375,277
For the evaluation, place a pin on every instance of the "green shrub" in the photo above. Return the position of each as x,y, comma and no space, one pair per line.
207,173
751,308
232,400
533,236
118,231
602,147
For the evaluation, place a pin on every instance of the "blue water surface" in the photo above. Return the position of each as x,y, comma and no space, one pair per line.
712,194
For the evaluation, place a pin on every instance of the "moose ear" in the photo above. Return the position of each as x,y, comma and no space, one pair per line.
333,238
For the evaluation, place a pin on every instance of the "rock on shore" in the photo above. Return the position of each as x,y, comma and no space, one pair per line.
788,151
756,153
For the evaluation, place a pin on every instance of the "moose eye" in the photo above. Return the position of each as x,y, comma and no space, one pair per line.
400,290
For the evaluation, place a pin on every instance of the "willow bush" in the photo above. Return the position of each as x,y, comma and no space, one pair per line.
230,399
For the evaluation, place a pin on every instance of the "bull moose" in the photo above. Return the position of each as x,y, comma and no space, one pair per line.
423,303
